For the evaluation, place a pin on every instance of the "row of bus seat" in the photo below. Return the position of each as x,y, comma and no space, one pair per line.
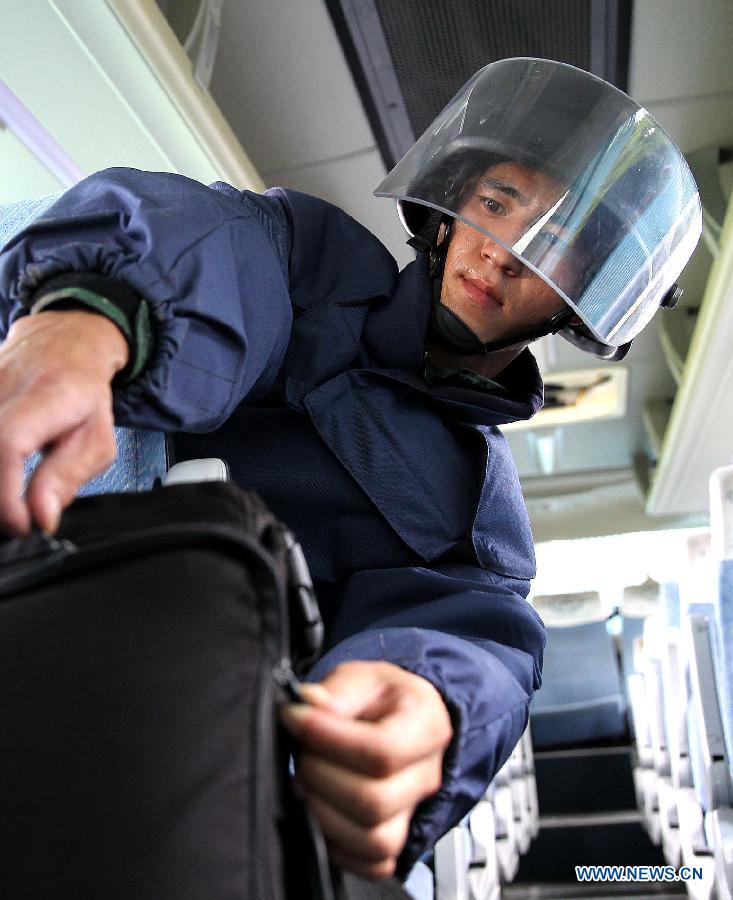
474,859
680,690
582,698
583,702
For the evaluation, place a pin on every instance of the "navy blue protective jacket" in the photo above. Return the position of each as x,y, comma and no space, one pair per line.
288,344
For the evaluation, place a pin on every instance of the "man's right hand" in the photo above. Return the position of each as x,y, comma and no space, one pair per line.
56,370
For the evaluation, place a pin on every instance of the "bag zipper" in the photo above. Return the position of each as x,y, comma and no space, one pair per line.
69,558
301,601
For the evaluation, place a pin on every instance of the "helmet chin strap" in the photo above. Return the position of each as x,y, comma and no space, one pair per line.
450,331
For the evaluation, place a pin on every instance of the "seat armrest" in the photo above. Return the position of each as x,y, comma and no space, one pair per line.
721,821
451,860
193,470
640,719
715,790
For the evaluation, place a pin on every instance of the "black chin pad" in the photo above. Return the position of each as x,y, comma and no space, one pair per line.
448,329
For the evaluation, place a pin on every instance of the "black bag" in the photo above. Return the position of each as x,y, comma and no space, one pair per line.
143,653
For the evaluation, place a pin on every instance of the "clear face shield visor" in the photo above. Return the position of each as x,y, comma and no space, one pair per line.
570,175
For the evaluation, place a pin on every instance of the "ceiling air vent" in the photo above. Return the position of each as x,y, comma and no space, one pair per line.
409,57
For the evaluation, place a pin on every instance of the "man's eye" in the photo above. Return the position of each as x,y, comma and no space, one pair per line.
493,205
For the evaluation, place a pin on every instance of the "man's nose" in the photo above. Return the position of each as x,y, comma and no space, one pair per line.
501,257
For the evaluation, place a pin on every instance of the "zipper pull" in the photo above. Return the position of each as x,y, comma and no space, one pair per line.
286,680
57,547
307,624
38,547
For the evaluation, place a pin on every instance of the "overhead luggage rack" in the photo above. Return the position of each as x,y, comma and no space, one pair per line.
697,349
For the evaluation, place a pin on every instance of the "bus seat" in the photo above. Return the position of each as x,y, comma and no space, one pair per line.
465,862
718,749
694,845
708,755
452,857
640,719
483,870
142,462
15,216
528,774
581,699
674,687
720,828
651,667
675,716
723,615
507,848
645,688
573,608
520,800
631,630
669,603
419,883
721,525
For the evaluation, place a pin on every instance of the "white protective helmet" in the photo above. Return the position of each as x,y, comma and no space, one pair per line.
627,222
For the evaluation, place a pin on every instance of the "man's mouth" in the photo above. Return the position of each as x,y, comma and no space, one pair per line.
482,294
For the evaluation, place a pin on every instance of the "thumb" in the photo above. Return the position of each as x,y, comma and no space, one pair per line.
359,690
318,695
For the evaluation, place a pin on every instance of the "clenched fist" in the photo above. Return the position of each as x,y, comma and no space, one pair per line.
372,743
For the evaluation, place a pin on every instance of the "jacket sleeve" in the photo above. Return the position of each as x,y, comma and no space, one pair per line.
473,636
212,265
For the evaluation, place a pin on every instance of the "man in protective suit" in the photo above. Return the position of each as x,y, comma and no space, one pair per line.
361,403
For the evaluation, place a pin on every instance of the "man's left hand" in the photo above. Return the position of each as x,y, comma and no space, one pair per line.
372,741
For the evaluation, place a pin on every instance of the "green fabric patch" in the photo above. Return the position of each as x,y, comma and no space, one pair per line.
463,377
138,332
